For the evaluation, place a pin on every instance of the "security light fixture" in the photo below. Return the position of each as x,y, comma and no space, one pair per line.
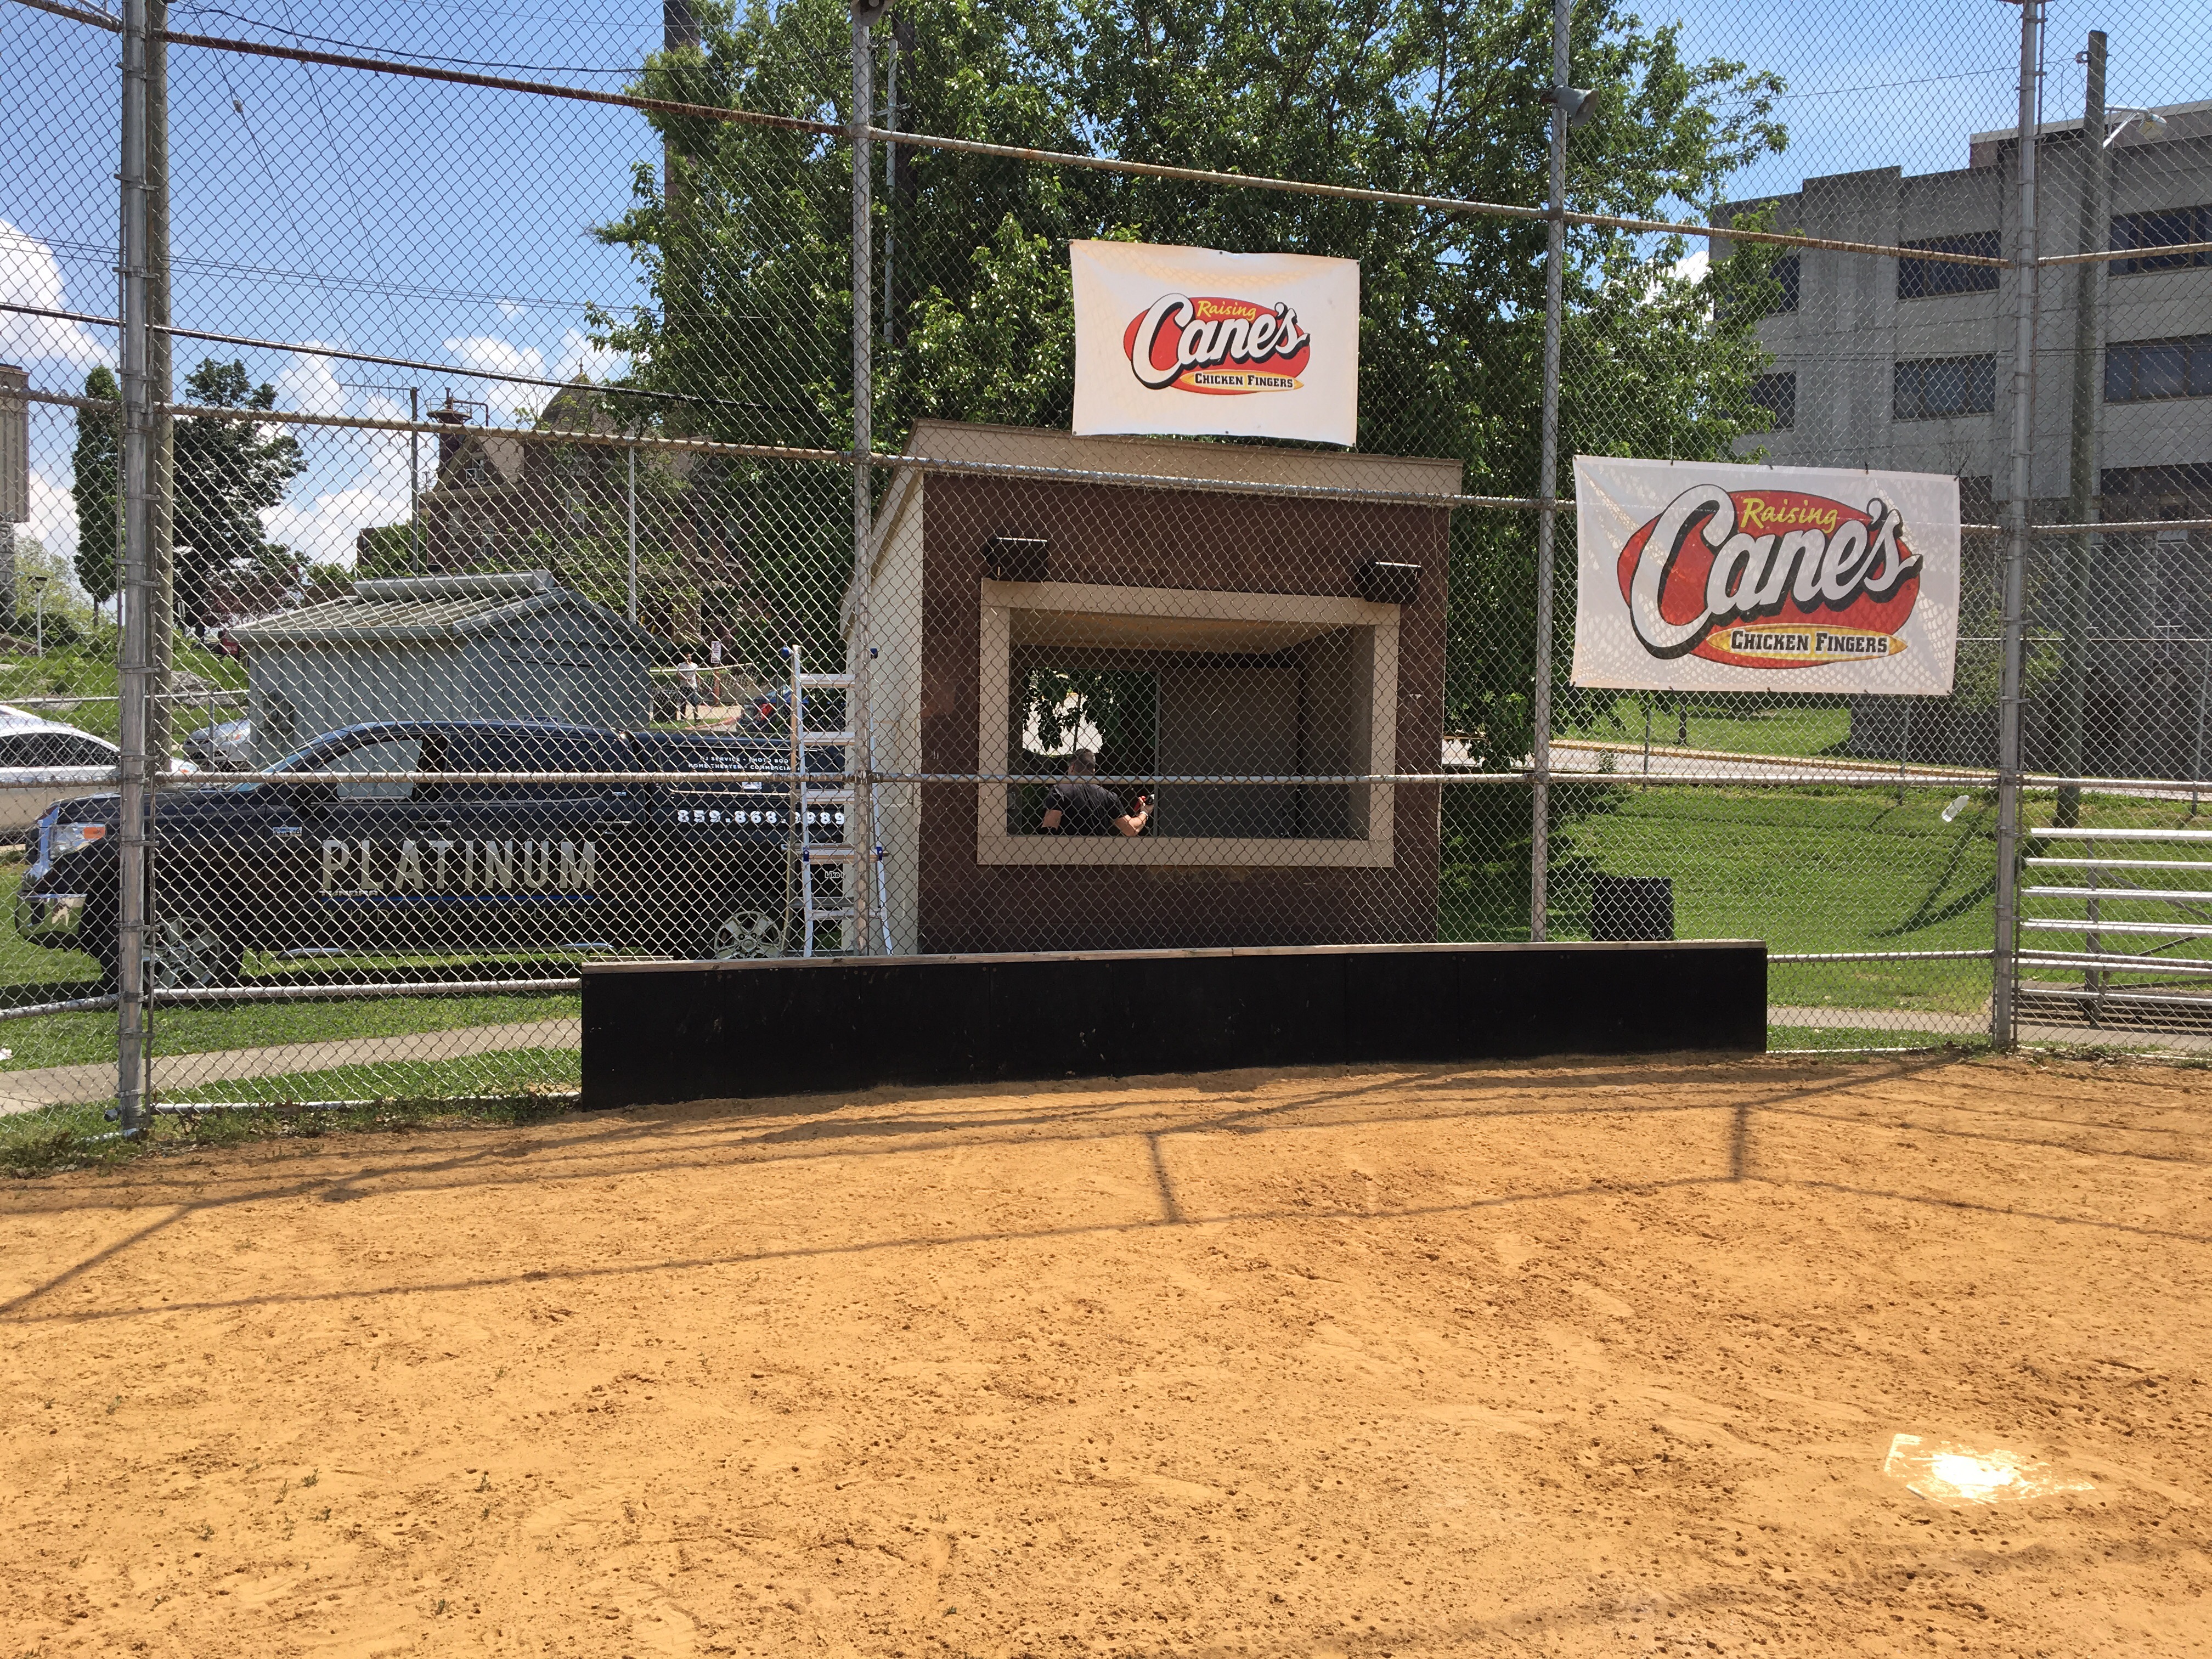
2152,122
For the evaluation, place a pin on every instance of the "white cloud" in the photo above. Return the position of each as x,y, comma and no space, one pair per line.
321,527
53,514
508,399
310,385
30,275
510,310
578,356
573,355
1692,268
489,351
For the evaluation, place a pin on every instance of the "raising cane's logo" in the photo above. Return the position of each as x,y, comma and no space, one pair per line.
1226,347
1770,579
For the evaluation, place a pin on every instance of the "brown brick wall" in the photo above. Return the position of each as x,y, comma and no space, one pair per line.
1167,538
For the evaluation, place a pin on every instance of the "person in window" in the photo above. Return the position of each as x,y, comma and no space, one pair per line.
1078,805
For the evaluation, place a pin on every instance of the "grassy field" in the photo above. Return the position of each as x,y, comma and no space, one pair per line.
1806,870
1734,726
87,669
522,1085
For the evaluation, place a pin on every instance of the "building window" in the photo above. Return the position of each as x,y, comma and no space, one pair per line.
1777,395
1924,279
2136,371
1937,388
1189,683
1784,271
2162,229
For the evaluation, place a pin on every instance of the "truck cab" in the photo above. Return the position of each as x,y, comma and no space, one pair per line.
444,863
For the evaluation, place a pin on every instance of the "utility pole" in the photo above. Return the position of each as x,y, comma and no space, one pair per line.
2018,511
2083,502
679,33
894,168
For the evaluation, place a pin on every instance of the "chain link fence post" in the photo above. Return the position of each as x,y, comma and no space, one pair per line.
2018,510
1540,750
2082,503
138,590
858,656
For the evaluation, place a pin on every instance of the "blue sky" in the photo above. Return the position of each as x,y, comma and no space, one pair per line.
451,225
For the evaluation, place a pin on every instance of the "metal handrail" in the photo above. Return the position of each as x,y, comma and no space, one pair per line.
2131,999
2202,866
2095,925
2168,896
2100,962
2190,836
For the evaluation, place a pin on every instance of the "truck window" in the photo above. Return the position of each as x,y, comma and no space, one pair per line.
391,754
535,751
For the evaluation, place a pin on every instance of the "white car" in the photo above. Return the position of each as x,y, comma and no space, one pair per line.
42,761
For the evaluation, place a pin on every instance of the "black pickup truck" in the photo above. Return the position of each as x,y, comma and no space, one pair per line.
378,867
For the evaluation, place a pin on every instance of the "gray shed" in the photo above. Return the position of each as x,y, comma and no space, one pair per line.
511,647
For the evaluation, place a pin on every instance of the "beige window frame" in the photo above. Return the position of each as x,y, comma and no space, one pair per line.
1187,619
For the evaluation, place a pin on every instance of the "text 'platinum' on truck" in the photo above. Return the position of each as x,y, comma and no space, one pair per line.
432,867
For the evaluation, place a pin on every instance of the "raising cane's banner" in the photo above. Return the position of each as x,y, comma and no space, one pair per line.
1186,340
1700,577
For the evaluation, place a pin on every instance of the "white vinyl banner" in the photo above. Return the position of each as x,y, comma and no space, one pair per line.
1698,577
1188,341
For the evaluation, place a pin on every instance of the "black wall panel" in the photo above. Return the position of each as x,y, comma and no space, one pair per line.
674,1031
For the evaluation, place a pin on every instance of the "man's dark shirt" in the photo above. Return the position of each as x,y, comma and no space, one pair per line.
1085,808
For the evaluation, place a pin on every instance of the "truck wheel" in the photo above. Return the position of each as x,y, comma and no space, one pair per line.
188,953
748,933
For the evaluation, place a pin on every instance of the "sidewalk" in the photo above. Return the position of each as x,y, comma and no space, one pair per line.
56,1085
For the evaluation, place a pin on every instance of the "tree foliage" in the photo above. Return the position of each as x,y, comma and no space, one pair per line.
229,473
744,242
94,465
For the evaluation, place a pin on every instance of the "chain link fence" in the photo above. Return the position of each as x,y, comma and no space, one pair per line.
533,499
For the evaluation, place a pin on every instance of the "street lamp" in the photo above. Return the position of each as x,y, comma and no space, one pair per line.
38,598
2151,122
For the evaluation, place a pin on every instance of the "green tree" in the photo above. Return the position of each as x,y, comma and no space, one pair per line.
229,473
94,470
752,288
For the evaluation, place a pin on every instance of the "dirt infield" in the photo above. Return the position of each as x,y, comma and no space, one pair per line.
1592,1357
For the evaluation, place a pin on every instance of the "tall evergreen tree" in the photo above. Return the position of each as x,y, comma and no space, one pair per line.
95,470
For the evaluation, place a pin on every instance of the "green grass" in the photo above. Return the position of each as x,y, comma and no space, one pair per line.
208,1028
87,669
525,1085
1794,729
508,1074
1806,870
1849,1039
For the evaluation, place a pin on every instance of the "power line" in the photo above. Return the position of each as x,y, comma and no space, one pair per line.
415,57
457,371
1886,86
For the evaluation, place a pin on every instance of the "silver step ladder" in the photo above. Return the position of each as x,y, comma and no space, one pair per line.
805,858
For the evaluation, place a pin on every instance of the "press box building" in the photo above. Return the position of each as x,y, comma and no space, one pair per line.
1276,636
